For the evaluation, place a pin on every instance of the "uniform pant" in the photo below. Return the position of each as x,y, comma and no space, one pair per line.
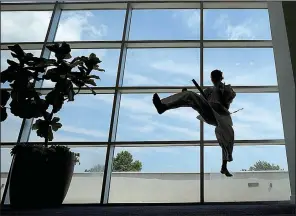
223,123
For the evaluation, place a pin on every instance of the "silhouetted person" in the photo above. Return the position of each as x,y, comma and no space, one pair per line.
213,110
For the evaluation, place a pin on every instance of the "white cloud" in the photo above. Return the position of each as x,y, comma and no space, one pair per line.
191,18
133,79
24,26
75,25
245,30
84,131
261,75
172,67
32,26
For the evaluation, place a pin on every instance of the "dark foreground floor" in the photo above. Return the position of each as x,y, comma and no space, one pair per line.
169,210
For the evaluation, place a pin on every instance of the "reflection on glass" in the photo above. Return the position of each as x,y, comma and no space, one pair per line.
165,24
109,58
90,25
161,67
167,174
260,173
241,66
139,121
85,119
86,184
236,24
260,119
24,26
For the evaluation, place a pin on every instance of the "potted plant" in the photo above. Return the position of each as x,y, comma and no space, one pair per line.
41,174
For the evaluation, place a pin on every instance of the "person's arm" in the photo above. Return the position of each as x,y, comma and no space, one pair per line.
228,94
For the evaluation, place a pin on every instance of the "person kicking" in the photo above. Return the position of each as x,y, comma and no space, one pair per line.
213,109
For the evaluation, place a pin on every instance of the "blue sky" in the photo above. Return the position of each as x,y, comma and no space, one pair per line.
88,119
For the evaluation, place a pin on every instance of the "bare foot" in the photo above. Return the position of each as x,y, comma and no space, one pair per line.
226,172
161,108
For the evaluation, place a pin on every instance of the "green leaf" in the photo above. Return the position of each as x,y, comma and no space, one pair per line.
3,114
76,63
5,95
56,126
53,47
14,55
17,50
12,63
93,58
55,99
91,82
100,69
68,56
94,76
35,126
55,119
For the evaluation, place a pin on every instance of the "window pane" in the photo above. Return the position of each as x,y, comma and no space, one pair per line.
139,121
260,119
165,25
5,166
10,128
85,119
86,184
168,175
6,54
241,67
161,67
109,58
241,24
24,26
258,185
91,25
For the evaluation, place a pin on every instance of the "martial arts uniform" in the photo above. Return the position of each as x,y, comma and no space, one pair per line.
213,110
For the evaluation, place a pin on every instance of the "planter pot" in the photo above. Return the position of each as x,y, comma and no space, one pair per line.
39,181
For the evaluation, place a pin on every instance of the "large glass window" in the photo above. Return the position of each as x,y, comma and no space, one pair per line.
92,25
24,26
139,121
6,54
241,66
236,24
165,25
260,118
159,180
109,58
157,157
259,174
85,119
86,184
161,67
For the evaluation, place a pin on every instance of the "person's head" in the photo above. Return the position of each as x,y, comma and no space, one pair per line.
216,76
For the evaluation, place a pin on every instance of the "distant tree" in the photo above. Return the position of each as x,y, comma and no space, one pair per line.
263,165
123,162
96,168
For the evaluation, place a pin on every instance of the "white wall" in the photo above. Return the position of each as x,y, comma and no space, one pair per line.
283,30
178,187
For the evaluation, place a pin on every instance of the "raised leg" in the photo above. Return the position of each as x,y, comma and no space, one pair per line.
185,99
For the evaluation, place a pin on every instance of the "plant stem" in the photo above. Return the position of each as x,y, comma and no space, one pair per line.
47,131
